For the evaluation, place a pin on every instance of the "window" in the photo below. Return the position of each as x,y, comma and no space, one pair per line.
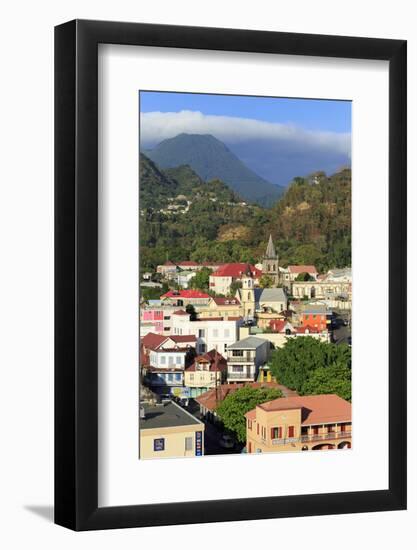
238,368
290,431
249,424
167,317
188,443
159,444
226,333
170,377
178,377
163,360
170,360
237,353
315,430
191,377
257,429
178,360
276,433
225,347
201,333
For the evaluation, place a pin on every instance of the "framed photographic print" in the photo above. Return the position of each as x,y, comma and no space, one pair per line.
230,275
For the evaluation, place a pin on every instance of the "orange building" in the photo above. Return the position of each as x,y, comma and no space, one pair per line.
313,422
316,317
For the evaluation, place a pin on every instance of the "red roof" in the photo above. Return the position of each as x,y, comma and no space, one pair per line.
212,398
227,301
215,359
180,312
177,338
152,340
185,294
188,263
168,262
237,270
278,325
316,409
302,269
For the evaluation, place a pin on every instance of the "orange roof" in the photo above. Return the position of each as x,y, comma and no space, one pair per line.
302,269
315,409
177,338
209,401
220,301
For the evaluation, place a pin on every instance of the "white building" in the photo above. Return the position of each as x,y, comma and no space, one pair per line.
210,333
245,357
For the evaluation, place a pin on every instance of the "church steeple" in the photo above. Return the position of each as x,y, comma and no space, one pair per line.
270,249
270,264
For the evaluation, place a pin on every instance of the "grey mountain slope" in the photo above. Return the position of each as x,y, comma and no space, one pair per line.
210,159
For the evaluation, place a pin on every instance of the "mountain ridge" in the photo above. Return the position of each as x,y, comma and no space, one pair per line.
210,158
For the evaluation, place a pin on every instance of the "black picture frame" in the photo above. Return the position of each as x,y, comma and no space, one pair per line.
76,271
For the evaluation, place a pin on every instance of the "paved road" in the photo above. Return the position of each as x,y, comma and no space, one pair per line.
342,334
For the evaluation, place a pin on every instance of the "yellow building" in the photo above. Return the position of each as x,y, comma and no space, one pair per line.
220,307
314,422
168,431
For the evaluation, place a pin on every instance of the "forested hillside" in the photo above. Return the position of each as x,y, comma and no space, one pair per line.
310,224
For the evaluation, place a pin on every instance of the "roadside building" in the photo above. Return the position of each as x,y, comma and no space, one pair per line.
168,431
221,307
168,268
293,271
206,371
281,331
316,316
211,333
256,301
183,298
314,422
244,358
336,291
183,278
221,280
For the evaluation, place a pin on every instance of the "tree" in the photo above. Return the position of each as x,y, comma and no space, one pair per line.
266,281
304,277
201,279
300,362
234,287
190,309
232,410
335,378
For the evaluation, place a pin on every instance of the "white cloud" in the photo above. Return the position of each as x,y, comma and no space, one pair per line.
157,126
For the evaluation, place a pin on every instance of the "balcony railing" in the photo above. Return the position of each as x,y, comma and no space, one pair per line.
240,375
241,359
312,437
329,435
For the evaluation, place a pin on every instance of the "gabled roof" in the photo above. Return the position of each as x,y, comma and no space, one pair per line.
178,338
237,270
188,264
180,312
152,340
301,269
214,358
269,295
315,409
251,342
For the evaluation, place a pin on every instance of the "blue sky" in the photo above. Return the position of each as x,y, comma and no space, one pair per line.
310,114
278,138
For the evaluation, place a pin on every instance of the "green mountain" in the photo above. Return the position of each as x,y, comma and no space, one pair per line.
211,159
184,218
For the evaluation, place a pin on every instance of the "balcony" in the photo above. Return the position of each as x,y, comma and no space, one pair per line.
326,437
240,376
242,359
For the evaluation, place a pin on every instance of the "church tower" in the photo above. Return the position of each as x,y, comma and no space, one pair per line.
270,263
247,296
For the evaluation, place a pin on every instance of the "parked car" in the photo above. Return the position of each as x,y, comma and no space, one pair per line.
227,441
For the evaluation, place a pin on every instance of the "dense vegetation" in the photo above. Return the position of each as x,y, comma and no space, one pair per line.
312,367
310,224
211,159
232,410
